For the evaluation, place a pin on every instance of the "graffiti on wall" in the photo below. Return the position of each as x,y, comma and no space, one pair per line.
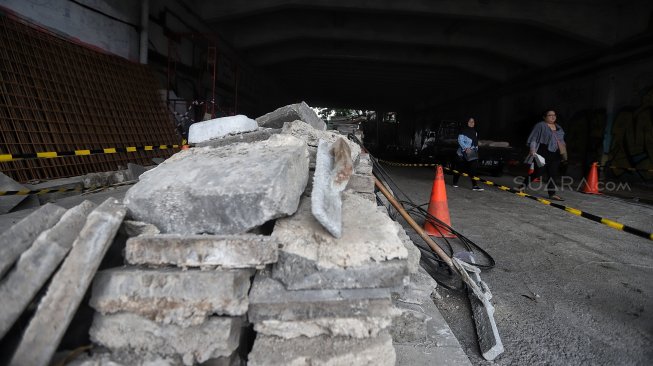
631,143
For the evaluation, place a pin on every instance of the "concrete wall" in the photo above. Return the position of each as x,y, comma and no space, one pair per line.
74,21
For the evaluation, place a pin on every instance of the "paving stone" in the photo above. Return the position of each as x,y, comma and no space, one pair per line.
355,313
227,251
229,190
369,254
218,127
300,111
214,338
20,236
260,134
361,183
36,264
312,136
68,286
172,296
322,351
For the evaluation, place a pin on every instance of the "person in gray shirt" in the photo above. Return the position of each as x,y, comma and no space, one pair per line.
548,140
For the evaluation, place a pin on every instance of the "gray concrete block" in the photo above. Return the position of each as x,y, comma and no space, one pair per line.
171,296
222,191
75,183
368,196
68,286
369,253
311,136
9,202
322,351
214,338
363,164
326,203
261,134
20,236
363,183
353,313
300,111
37,263
219,127
226,251
104,357
414,254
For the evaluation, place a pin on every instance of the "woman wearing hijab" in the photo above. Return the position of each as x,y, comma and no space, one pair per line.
468,153
547,139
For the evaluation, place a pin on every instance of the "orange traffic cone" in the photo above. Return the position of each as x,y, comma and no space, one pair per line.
185,147
591,184
438,208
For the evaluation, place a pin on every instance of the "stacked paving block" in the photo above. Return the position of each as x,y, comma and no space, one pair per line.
327,300
182,297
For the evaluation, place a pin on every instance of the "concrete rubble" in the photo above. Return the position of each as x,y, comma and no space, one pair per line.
300,111
225,263
218,127
7,203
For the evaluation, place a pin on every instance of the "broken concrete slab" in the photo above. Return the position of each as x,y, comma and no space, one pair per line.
132,228
363,183
322,350
260,134
105,357
218,127
222,191
312,136
135,170
414,255
226,251
216,337
68,286
103,179
171,296
20,236
353,313
75,184
9,202
369,254
332,171
363,164
411,355
293,112
37,263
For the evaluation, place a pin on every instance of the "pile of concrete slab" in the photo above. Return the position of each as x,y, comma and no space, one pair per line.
223,238
63,246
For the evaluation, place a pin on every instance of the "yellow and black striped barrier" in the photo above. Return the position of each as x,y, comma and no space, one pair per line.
574,211
83,152
39,192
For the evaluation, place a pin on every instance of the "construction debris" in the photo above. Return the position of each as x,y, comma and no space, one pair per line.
222,191
294,112
10,202
219,127
69,285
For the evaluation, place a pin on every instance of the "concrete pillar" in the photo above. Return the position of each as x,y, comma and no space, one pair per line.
145,19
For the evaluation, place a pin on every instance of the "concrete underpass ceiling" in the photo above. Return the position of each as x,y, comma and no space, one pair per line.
394,53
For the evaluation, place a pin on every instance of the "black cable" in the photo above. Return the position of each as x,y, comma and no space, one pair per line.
431,262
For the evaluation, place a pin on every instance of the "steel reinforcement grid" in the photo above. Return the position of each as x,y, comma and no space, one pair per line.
57,95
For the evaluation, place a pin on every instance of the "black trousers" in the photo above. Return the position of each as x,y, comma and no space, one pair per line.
550,171
465,166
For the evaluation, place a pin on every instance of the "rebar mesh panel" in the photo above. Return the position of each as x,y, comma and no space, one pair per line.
56,95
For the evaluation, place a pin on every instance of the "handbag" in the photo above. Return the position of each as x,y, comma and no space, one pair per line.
471,155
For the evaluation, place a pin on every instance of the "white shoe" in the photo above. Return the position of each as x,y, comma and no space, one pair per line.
478,189
455,186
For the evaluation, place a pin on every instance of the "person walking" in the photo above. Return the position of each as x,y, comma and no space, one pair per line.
467,154
547,139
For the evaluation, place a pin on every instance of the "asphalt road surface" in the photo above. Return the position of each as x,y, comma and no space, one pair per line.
567,290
